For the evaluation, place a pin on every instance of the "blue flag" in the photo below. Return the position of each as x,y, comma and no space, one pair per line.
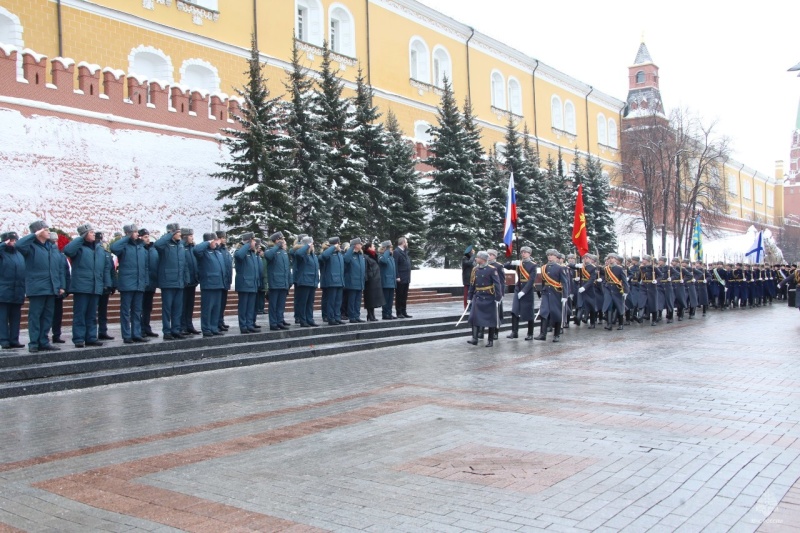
697,240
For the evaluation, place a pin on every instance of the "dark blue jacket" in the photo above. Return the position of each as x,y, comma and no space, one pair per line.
152,267
12,275
67,274
403,264
355,270
279,272
331,268
306,267
248,270
133,273
210,266
172,270
388,270
228,260
112,269
263,278
91,267
44,271
191,265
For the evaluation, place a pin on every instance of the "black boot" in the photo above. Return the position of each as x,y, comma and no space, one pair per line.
481,333
490,342
496,335
653,319
592,320
619,322
542,331
530,331
514,327
610,319
628,317
557,333
474,340
705,309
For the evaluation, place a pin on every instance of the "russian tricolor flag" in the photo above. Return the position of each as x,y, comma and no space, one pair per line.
511,217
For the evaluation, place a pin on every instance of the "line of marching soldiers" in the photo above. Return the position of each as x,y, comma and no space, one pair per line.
617,292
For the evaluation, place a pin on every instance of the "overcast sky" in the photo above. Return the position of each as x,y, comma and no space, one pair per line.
725,60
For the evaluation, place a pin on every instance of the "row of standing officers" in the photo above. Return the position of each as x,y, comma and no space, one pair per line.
32,267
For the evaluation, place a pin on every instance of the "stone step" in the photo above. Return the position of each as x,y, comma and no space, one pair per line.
25,373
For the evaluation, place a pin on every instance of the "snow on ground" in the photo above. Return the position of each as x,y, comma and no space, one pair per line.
71,172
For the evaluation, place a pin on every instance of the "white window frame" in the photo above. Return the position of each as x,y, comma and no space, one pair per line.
733,188
644,77
497,85
759,193
312,21
442,66
15,36
163,73
421,134
602,129
418,54
211,5
612,133
770,198
211,79
514,95
345,37
570,119
556,113
746,189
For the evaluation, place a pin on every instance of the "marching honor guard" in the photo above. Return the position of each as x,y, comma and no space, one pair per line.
484,293
650,276
678,287
701,285
522,306
587,292
554,298
500,272
616,287
691,286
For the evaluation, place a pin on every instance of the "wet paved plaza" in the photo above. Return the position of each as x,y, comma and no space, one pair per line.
689,426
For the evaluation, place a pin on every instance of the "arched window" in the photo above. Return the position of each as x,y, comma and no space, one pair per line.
640,77
556,113
498,90
151,64
569,118
421,133
11,33
308,21
341,36
514,96
199,74
612,133
418,60
602,133
441,66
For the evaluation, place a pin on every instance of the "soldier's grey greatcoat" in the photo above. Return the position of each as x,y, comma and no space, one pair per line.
526,276
554,283
485,291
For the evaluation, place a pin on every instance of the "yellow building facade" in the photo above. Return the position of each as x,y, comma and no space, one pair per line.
405,49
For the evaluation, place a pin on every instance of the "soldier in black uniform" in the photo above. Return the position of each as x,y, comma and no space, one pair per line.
522,307
665,288
616,287
650,276
554,297
701,278
501,272
633,302
484,293
588,299
679,287
690,286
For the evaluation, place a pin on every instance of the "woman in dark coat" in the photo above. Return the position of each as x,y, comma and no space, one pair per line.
373,290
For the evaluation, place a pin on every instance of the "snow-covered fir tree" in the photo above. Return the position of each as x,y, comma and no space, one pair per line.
312,199
343,165
371,139
564,206
551,212
258,199
405,216
540,202
455,220
599,219
487,238
496,192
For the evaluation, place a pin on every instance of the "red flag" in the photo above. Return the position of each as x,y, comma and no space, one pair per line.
579,237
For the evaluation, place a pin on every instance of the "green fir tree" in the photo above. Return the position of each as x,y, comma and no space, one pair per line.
258,199
454,216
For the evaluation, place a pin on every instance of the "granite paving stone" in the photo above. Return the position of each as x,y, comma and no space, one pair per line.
693,426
